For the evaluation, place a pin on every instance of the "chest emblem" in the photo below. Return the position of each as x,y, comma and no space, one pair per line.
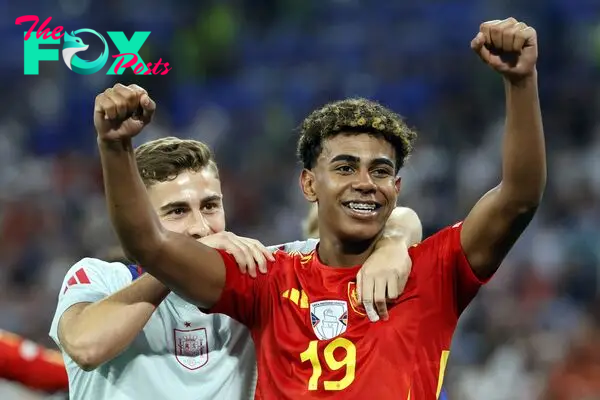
191,347
353,299
329,318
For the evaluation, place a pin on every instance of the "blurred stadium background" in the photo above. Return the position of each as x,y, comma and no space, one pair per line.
245,73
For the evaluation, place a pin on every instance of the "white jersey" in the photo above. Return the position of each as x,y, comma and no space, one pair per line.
180,354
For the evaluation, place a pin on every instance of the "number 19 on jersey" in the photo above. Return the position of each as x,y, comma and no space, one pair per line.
348,362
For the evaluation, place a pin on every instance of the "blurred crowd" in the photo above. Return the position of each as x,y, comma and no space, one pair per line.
244,75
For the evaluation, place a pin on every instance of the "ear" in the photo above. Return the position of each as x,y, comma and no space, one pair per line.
307,185
397,183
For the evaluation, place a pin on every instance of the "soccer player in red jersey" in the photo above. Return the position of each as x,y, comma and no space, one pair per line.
31,365
313,340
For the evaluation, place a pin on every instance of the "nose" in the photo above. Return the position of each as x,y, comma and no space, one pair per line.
364,183
198,227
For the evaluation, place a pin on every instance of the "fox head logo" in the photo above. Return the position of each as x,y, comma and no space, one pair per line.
73,45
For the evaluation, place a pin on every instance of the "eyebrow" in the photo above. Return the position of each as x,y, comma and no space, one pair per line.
181,204
355,160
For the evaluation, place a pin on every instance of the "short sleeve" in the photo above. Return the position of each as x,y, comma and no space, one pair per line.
88,281
451,266
244,298
466,282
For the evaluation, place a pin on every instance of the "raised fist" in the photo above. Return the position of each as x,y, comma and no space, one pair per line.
121,112
510,47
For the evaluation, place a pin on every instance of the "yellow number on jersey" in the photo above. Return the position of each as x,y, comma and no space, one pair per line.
349,361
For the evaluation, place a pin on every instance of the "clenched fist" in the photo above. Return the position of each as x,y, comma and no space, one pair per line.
121,112
510,47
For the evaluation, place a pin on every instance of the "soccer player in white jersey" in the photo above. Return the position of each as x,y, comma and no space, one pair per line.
124,340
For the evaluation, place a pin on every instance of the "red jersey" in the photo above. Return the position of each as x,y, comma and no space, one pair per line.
31,365
313,339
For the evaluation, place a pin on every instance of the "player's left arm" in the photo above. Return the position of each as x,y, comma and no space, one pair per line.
380,280
501,215
403,225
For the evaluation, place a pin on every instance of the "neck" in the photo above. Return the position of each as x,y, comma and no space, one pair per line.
344,253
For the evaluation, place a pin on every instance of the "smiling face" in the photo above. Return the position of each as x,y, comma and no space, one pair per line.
355,184
191,204
182,180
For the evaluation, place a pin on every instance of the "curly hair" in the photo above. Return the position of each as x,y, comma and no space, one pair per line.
353,116
164,159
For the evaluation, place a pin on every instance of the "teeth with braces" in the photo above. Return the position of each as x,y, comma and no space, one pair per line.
362,206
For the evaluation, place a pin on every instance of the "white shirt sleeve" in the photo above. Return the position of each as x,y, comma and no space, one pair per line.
301,246
88,281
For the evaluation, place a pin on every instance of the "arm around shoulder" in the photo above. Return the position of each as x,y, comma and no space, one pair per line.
195,271
405,222
191,269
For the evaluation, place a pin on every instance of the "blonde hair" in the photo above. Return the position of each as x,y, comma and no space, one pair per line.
164,159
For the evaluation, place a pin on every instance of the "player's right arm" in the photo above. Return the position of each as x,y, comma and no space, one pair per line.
192,269
94,321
